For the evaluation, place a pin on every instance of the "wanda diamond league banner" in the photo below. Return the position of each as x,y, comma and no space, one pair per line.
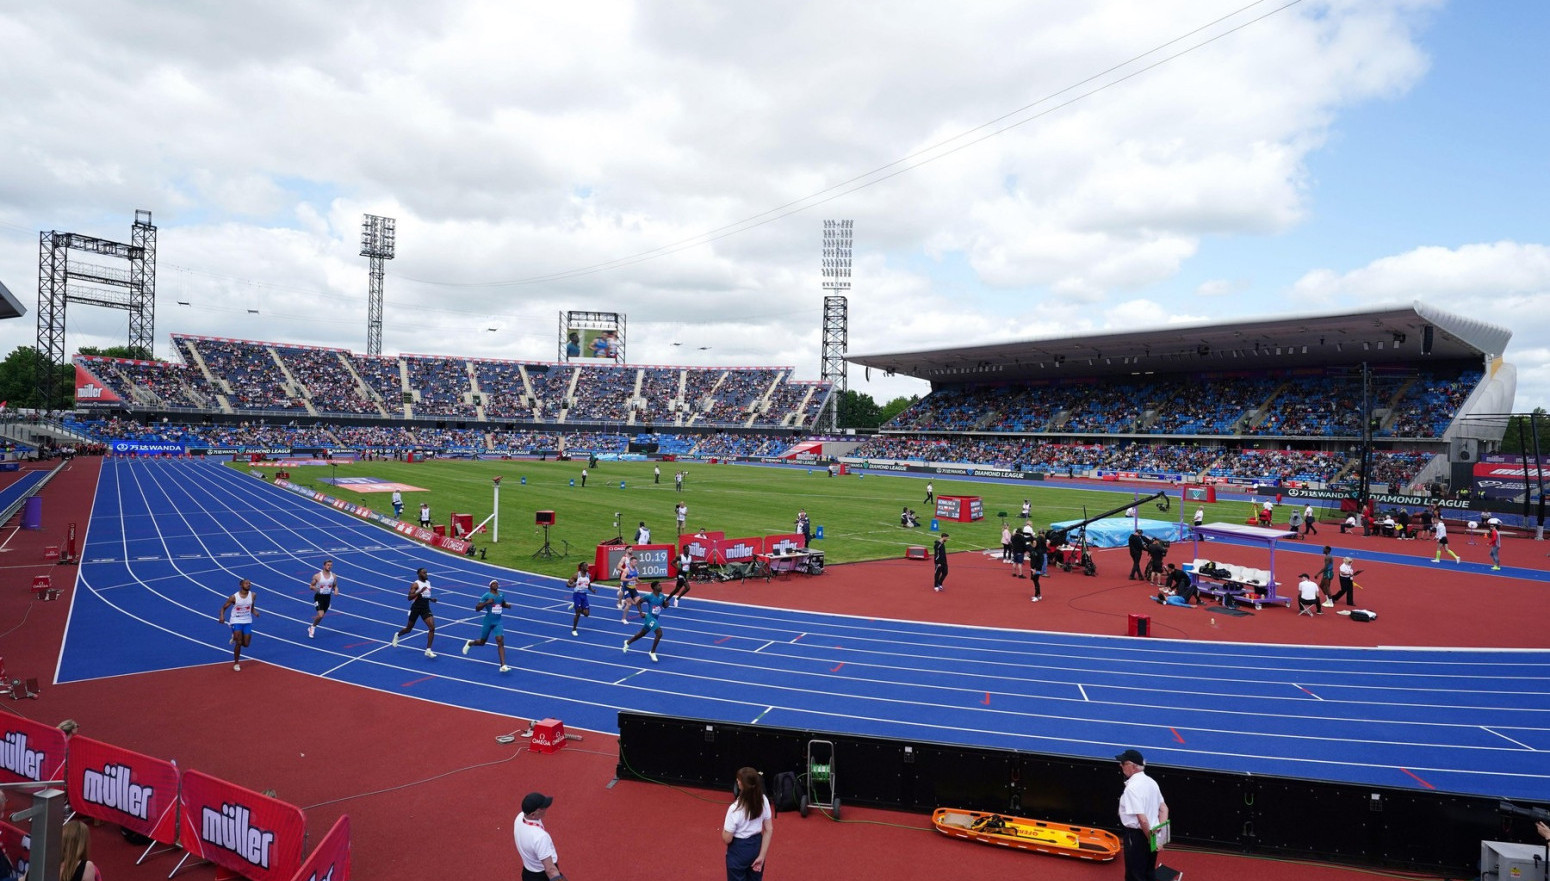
121,786
258,837
90,392
30,752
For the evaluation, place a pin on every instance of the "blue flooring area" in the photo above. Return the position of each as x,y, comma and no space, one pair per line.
21,487
168,541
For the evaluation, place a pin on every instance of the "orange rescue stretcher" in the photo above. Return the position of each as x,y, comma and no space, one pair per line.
1018,833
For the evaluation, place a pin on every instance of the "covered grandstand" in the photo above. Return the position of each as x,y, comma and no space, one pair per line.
1307,398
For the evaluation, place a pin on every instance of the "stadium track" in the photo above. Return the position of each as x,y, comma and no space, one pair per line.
169,539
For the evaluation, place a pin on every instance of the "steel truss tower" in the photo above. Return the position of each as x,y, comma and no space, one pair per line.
62,281
378,240
836,281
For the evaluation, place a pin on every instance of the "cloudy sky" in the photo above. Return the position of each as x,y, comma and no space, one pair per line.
1014,169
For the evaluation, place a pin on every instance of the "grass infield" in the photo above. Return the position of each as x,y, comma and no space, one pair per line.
859,514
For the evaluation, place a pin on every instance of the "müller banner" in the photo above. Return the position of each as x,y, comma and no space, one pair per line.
331,860
121,786
30,751
258,837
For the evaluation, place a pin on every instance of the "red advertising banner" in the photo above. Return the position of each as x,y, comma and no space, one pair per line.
331,860
30,751
256,836
16,842
125,787
90,391
784,543
735,550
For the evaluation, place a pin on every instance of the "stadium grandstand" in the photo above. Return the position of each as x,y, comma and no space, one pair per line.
1304,398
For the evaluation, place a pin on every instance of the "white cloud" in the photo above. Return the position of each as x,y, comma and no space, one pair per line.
1504,283
515,141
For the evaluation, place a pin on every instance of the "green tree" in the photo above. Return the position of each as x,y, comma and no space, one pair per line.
858,410
19,379
895,407
1520,430
136,353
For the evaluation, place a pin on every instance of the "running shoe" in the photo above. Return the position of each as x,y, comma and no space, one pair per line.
467,645
574,633
237,667
395,639
653,657
505,669
311,632
626,646
429,653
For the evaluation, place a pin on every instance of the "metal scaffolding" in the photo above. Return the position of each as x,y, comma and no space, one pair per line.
836,280
61,281
378,242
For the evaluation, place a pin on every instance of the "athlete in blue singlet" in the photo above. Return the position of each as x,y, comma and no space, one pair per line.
650,606
493,604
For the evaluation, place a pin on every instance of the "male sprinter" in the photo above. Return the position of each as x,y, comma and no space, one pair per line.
243,611
629,581
580,586
681,584
492,604
324,587
650,607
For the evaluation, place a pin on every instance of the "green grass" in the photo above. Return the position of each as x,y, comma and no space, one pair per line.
860,515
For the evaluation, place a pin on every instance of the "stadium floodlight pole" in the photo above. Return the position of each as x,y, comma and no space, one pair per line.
837,236
378,242
495,527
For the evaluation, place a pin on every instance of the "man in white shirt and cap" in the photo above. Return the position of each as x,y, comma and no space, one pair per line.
1141,810
534,846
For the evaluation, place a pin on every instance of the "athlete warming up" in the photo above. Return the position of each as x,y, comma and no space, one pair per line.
650,607
492,604
324,586
420,600
243,611
580,586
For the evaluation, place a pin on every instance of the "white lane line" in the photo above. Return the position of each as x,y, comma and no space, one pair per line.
1508,739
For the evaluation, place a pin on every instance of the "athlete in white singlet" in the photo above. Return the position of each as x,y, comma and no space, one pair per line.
324,586
243,610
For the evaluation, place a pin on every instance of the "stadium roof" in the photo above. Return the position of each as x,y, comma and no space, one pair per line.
1379,336
10,307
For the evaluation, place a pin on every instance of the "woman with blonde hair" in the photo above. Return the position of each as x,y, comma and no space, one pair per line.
748,828
75,854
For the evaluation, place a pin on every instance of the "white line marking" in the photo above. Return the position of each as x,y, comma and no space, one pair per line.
632,675
761,715
1508,739
1084,692
765,646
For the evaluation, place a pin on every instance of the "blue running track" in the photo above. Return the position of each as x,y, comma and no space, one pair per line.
168,541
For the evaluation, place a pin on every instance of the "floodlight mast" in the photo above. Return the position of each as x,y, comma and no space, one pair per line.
378,242
837,236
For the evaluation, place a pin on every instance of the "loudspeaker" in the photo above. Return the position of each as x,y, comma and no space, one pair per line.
1465,449
1426,340
544,518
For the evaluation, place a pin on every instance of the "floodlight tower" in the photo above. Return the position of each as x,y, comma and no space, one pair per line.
836,281
377,242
